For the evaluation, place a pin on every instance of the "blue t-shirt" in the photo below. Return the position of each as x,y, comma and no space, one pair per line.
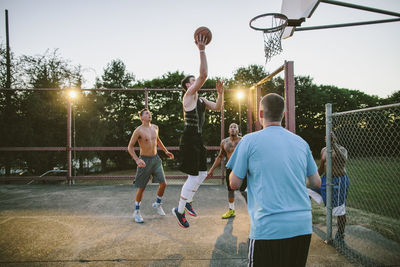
277,163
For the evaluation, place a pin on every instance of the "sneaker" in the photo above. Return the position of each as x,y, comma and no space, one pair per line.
189,209
160,210
181,218
339,237
229,214
138,217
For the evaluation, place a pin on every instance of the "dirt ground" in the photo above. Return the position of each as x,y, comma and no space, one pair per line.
47,225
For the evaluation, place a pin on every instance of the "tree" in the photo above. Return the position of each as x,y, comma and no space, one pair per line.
10,102
118,109
44,112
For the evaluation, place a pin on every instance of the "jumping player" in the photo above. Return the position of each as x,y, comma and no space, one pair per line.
193,152
148,163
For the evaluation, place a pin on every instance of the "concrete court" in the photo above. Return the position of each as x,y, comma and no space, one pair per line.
59,225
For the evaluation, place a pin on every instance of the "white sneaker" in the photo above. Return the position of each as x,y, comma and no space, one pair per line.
138,217
160,210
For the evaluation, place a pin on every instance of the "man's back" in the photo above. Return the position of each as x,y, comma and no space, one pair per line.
278,163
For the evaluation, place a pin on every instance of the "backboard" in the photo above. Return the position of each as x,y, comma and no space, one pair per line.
297,11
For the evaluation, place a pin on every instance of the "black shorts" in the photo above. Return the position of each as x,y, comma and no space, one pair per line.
192,153
279,252
242,187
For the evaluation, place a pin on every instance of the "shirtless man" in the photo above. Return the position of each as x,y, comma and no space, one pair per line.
227,147
340,182
149,164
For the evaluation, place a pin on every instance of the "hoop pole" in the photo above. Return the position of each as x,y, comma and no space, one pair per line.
269,77
365,8
249,111
258,125
290,118
146,98
69,155
345,25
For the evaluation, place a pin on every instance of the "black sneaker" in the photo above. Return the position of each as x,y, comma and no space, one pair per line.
189,209
181,218
339,240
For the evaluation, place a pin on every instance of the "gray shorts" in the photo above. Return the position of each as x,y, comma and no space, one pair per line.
153,168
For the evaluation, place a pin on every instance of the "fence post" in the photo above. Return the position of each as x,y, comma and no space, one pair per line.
69,158
328,173
146,98
222,137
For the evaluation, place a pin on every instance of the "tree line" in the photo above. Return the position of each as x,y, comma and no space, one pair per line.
31,118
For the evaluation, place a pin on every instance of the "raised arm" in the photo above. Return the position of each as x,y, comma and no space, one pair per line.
201,79
218,160
216,105
131,149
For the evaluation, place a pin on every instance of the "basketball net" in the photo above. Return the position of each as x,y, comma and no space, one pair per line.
272,44
272,25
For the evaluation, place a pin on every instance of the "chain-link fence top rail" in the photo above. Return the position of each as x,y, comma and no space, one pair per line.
372,139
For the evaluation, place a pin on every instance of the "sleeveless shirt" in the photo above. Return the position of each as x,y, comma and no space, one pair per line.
194,119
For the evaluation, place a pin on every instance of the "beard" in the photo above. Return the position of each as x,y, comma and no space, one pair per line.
232,134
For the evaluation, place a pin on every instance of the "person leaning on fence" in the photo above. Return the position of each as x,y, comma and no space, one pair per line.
227,147
340,181
192,150
148,163
279,166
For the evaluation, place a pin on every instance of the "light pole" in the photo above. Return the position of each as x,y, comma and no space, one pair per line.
239,95
71,96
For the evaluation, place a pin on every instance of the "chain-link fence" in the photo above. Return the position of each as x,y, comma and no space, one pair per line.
363,183
95,128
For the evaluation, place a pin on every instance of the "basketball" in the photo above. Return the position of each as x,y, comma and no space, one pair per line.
205,32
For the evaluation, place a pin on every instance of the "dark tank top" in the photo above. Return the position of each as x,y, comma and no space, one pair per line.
194,119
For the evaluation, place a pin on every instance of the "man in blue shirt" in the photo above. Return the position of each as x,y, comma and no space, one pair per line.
279,166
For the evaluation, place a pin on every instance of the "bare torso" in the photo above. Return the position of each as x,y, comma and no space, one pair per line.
148,139
229,146
338,161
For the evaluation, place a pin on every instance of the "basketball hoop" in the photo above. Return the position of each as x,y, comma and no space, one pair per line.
272,25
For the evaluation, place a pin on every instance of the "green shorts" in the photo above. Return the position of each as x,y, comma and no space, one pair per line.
153,168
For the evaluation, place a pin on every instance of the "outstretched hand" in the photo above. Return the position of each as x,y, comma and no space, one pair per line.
201,41
220,87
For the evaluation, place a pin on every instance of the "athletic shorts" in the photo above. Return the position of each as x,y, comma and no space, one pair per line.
285,252
192,153
339,193
242,187
153,168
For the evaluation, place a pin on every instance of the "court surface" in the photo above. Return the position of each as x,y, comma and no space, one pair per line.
48,225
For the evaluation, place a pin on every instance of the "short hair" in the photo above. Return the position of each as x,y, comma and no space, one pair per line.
273,107
143,110
185,81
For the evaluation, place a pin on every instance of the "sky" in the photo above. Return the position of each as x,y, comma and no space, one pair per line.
154,37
